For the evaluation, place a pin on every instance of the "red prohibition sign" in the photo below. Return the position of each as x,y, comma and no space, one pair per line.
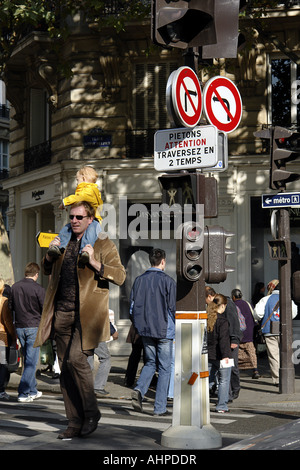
223,104
187,96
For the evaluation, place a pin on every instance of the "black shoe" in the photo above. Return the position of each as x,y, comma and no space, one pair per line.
137,400
90,425
69,433
54,251
101,392
255,375
84,258
166,413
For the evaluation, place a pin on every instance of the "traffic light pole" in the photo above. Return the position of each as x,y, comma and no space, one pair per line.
191,428
286,371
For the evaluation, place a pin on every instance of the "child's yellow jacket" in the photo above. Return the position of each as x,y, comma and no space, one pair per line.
88,192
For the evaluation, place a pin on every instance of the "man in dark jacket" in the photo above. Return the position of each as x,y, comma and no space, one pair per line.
153,306
27,299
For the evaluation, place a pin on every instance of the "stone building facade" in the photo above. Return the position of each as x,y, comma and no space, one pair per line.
105,115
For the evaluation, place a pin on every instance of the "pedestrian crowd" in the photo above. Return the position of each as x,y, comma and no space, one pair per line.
72,317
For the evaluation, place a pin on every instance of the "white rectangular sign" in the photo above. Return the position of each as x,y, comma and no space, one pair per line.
222,163
185,148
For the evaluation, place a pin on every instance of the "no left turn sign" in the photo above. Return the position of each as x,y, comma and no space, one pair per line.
222,103
184,97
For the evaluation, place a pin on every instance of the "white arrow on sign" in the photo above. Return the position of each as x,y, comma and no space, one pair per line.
184,97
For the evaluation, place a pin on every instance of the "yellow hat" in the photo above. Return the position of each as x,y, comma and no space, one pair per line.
271,286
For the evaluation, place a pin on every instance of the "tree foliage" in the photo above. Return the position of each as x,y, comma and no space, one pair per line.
19,17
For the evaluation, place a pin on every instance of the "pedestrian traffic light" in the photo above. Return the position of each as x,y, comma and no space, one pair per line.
226,21
183,23
178,188
190,188
189,259
284,148
215,254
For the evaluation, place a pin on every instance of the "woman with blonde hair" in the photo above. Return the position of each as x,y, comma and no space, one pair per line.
7,336
219,351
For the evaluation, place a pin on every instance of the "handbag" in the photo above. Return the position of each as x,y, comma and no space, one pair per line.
260,338
260,333
46,353
13,358
275,327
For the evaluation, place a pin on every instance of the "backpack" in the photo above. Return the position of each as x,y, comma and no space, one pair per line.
241,319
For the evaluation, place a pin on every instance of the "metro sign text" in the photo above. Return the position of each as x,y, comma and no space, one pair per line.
281,200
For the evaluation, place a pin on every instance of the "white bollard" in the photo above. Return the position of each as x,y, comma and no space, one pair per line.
191,428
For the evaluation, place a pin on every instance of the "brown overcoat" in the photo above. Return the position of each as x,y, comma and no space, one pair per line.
93,295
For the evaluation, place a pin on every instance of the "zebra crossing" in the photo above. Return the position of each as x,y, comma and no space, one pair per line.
21,421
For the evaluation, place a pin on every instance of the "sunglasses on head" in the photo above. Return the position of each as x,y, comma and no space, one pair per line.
78,217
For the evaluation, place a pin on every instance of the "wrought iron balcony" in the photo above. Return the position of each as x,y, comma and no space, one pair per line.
140,143
4,173
4,111
37,156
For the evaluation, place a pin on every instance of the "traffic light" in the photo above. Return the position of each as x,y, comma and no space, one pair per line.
190,188
226,21
284,149
189,259
183,24
179,188
215,253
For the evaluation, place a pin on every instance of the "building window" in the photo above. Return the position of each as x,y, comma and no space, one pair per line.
4,159
149,93
149,107
38,152
284,96
39,117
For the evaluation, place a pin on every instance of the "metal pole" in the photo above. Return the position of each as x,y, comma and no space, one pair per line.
286,370
191,427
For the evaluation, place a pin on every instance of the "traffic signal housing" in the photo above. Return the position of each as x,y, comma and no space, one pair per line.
190,188
189,259
285,148
215,254
183,24
226,21
212,25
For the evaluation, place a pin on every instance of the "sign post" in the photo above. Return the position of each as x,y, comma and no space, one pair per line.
280,250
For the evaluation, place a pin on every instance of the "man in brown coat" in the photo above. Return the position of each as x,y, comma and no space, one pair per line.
76,311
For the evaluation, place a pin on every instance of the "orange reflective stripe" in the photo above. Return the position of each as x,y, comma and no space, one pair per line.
191,316
204,374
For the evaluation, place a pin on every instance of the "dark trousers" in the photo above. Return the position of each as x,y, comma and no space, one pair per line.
4,374
235,374
76,378
133,362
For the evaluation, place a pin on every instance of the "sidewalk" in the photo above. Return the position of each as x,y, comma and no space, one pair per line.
122,437
256,394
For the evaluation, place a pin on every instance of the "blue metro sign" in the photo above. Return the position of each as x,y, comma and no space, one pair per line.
280,200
